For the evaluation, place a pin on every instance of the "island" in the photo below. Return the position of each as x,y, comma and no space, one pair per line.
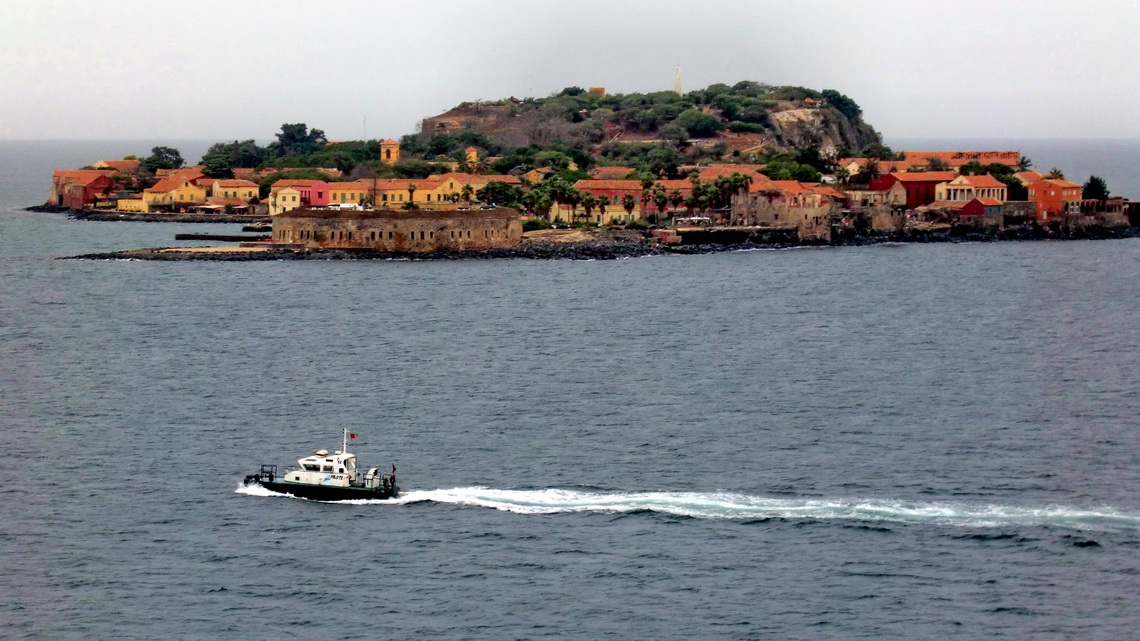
609,175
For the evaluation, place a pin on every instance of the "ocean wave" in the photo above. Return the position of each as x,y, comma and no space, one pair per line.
726,505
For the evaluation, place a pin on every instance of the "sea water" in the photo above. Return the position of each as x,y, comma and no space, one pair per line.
912,441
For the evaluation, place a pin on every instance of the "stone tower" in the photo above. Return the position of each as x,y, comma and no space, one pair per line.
677,82
471,155
389,151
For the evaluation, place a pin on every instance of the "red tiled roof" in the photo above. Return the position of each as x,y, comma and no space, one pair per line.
281,184
959,158
79,176
791,186
827,190
632,185
611,173
122,166
234,182
166,184
989,202
1029,176
1060,182
984,180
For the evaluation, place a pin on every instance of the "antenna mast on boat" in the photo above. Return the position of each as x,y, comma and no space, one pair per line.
344,441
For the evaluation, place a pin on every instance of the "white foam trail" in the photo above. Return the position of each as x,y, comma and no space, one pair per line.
725,505
257,490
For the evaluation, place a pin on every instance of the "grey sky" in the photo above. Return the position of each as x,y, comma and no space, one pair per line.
224,70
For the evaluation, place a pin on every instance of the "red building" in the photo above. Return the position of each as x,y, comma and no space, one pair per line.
314,193
83,191
982,207
1051,196
919,185
615,190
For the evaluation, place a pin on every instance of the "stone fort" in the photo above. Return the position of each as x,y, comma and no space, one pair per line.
387,230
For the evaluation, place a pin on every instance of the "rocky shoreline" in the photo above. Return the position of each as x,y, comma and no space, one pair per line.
601,248
140,217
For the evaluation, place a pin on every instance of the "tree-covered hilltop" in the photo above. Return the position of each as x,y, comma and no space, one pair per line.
743,122
797,133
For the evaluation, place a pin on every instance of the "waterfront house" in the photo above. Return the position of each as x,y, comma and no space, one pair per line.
787,203
967,188
61,178
173,193
1051,196
919,185
613,192
84,190
234,188
291,194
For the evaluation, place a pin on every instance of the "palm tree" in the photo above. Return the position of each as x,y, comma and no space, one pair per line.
1055,173
628,202
675,199
1024,163
602,202
466,193
589,201
661,199
411,192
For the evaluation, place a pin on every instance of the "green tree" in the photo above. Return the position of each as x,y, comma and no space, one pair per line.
663,159
845,105
1095,189
1024,164
500,193
221,158
676,199
1055,173
297,139
628,202
161,158
698,123
972,168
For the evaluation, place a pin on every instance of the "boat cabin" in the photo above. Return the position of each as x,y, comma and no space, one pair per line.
337,469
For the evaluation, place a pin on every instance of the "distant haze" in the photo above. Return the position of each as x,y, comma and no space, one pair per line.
227,70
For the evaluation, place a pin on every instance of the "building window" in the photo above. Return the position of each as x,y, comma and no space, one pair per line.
373,235
431,235
350,235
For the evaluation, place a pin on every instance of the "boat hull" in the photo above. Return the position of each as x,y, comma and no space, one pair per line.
326,492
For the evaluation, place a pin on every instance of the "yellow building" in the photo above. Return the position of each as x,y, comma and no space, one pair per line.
132,205
173,193
234,188
354,193
283,200
389,151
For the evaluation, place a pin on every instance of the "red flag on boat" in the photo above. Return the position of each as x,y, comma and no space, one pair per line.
351,435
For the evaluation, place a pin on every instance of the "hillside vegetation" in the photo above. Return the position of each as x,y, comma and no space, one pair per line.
745,122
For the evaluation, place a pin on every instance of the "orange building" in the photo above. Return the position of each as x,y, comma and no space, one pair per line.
1051,196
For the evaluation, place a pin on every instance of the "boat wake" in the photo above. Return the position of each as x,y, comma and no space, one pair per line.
723,505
